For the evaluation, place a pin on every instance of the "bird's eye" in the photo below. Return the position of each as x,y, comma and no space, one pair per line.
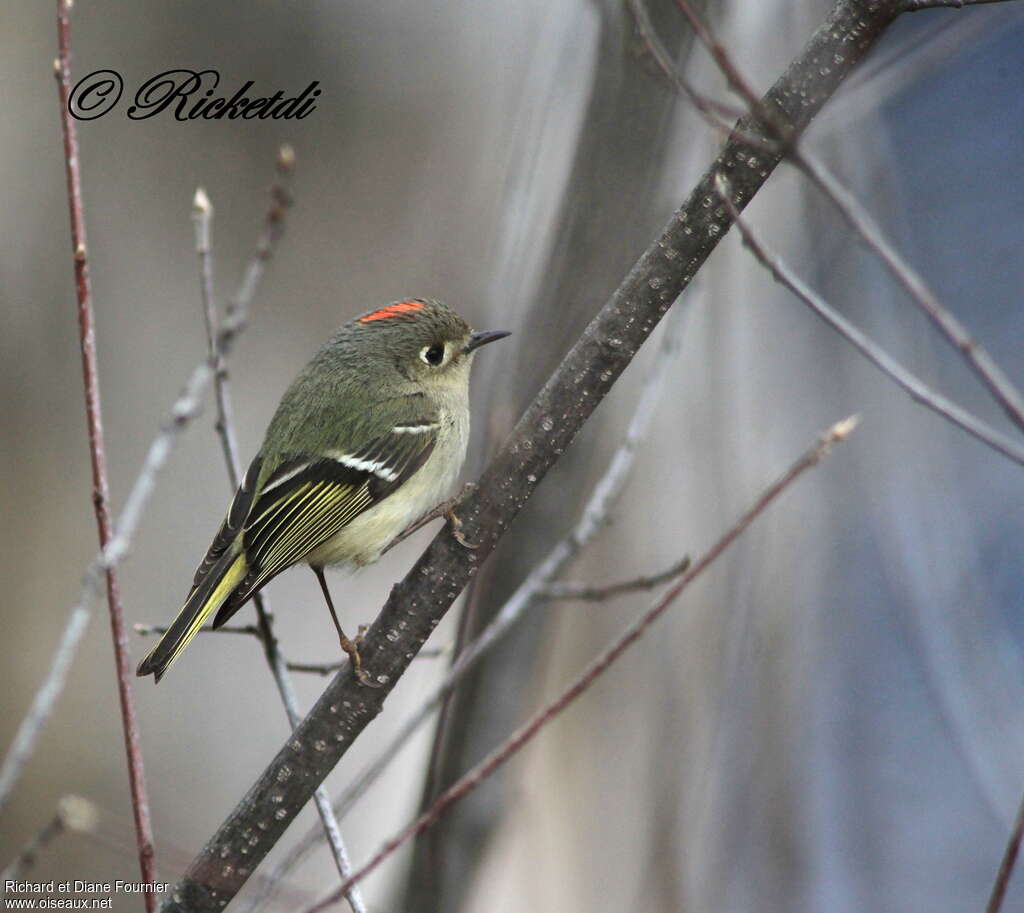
433,355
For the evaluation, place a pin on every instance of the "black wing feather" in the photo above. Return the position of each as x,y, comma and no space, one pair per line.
229,529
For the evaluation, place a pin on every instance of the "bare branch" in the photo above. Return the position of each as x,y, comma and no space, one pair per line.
101,491
915,6
73,814
331,668
600,593
866,346
272,230
160,630
202,217
990,374
42,704
718,115
238,307
183,410
317,668
597,667
547,428
1009,860
724,62
145,630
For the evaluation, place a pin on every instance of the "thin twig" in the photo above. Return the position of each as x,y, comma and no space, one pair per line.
531,591
736,81
101,491
914,6
722,117
474,777
272,230
183,410
145,630
918,390
317,668
984,366
159,630
202,217
782,137
42,704
1009,860
238,307
331,668
585,592
73,814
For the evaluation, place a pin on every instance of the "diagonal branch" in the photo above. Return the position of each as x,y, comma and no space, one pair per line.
599,665
581,381
587,593
183,410
984,366
1009,860
920,392
203,218
74,815
914,6
101,491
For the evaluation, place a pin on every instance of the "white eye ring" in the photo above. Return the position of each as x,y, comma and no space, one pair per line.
434,355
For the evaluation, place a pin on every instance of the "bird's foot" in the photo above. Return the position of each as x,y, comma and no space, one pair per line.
444,509
455,524
351,647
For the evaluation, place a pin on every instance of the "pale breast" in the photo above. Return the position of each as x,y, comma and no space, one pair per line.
362,541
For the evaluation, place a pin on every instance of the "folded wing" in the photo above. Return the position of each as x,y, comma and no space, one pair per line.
307,500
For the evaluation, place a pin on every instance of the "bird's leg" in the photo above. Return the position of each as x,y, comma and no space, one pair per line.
350,647
445,509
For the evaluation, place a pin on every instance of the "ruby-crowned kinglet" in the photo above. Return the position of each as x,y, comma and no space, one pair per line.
369,437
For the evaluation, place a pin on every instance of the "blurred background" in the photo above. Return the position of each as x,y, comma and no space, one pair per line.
831,720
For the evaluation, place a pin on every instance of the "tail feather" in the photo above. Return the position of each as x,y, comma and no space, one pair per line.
202,602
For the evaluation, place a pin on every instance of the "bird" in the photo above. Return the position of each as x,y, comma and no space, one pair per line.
368,438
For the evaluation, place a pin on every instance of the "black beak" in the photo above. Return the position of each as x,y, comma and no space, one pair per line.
481,339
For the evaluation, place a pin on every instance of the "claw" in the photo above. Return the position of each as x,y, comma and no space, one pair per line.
456,526
444,509
352,649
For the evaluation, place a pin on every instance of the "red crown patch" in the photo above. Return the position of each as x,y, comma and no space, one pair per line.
393,310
